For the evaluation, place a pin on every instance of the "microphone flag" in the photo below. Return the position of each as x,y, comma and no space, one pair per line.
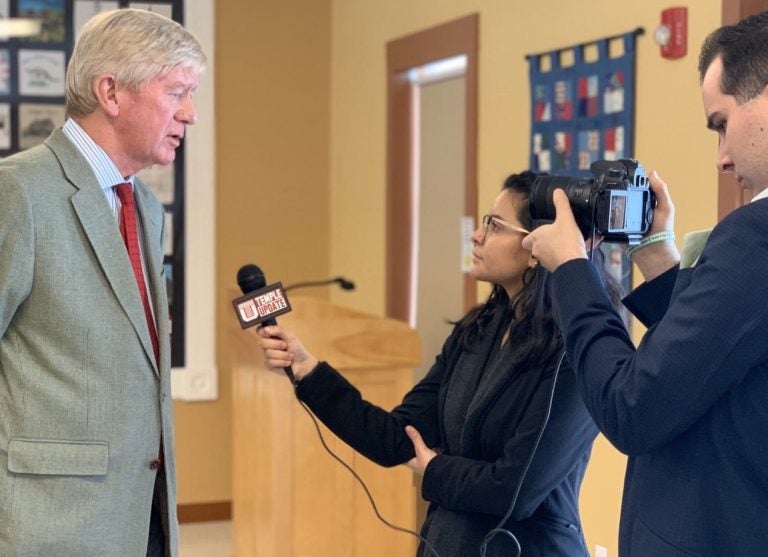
261,305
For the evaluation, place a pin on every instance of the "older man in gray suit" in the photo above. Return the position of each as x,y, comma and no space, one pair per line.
86,434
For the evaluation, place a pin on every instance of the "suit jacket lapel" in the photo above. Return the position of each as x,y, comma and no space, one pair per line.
100,227
497,373
467,382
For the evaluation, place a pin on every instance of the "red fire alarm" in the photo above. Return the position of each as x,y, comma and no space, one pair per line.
672,35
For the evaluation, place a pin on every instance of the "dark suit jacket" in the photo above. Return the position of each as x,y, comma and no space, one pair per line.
485,419
690,405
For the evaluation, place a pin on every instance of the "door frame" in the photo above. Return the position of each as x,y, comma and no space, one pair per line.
443,41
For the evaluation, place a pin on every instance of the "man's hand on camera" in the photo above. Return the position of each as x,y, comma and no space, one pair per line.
559,242
656,258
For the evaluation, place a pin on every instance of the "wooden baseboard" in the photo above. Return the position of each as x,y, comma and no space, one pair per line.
205,512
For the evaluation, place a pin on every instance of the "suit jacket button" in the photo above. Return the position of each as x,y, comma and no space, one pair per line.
155,464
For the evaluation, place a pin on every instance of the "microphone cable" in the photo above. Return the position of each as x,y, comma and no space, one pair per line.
498,529
592,234
344,284
359,480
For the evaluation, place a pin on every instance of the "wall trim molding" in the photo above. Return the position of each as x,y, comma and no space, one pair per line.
199,379
460,36
204,512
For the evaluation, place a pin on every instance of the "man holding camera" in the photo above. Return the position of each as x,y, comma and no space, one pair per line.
688,405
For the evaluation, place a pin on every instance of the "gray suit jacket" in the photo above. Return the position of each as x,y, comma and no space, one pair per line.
83,405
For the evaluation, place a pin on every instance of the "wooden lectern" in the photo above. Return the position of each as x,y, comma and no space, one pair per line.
291,498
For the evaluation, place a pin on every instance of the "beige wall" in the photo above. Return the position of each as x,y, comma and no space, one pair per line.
301,157
272,84
670,133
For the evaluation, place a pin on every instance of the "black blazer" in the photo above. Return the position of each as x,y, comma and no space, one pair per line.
690,405
485,419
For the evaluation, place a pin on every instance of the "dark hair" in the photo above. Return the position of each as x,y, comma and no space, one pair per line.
743,49
533,332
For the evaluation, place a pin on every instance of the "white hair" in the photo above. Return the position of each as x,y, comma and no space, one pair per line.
135,46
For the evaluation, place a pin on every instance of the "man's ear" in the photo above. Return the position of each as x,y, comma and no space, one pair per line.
105,90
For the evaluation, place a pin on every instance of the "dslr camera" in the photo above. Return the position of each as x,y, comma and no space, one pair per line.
616,202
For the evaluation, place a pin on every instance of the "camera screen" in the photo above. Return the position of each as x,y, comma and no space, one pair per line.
618,212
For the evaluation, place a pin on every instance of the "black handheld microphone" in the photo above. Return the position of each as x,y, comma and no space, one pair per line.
261,303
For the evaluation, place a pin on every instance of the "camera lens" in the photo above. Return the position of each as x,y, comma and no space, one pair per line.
581,198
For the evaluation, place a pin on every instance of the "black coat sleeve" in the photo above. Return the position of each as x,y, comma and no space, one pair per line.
373,431
649,301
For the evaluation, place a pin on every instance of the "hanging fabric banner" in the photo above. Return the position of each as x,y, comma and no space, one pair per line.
584,111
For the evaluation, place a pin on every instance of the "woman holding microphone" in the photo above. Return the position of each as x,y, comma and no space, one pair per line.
497,418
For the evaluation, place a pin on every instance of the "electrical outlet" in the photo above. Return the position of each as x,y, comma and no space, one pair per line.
601,551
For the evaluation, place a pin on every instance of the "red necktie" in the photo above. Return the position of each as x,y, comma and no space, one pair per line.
130,234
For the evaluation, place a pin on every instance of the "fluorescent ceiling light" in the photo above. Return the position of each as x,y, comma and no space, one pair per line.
19,27
439,70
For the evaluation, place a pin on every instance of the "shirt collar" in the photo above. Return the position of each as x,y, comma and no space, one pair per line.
762,195
103,167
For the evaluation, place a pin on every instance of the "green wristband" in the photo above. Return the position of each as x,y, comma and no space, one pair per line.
662,236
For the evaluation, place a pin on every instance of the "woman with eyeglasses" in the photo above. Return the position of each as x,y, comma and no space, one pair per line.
496,428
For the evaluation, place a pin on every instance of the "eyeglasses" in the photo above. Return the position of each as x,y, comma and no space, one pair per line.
488,219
